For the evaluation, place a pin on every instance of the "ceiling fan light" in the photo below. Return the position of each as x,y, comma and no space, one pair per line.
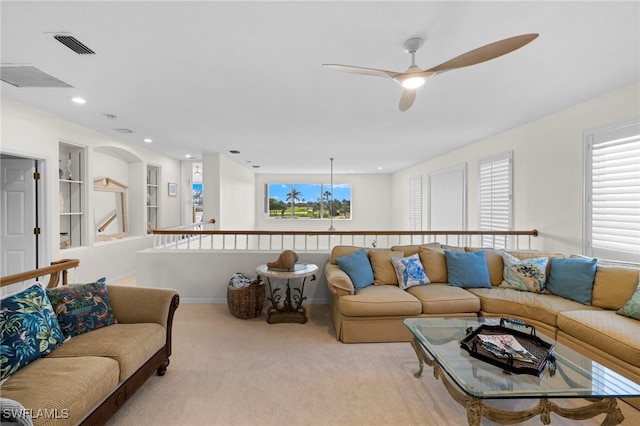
413,82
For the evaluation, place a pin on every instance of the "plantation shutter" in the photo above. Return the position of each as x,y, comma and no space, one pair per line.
613,193
415,203
495,198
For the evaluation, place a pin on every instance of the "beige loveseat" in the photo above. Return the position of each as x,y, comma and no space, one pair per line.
91,375
375,313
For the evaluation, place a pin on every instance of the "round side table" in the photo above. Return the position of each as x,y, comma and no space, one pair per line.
287,307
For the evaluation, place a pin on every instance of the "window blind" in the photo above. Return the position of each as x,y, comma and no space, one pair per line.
613,196
415,203
495,198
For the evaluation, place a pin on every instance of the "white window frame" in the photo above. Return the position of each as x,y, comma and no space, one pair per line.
495,207
415,203
613,239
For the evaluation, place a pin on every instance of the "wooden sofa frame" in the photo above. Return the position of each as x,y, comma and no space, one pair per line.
157,363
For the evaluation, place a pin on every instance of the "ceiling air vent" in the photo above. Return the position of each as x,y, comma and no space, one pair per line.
28,76
74,44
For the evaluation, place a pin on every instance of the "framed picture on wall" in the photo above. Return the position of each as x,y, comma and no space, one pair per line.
172,189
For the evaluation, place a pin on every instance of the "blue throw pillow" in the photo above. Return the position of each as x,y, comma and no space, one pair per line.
467,269
572,278
29,329
358,267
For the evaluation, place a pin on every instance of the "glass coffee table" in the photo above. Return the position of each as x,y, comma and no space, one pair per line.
471,381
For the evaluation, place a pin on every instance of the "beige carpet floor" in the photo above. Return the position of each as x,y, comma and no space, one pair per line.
228,371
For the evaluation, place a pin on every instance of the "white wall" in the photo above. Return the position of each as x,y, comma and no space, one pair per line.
548,169
33,133
370,203
237,201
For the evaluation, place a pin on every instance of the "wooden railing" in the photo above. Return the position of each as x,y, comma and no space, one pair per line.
54,271
201,237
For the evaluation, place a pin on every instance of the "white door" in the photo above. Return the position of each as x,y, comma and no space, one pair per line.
18,216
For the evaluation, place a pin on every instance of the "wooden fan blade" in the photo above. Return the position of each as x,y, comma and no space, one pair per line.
485,53
363,71
407,99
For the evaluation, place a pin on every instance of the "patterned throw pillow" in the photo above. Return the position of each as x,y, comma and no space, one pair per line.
28,328
82,307
631,309
524,275
409,271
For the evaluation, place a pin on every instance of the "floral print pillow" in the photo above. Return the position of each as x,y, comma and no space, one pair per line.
524,275
29,329
82,307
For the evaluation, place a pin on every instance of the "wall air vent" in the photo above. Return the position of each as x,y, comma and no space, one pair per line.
28,76
74,44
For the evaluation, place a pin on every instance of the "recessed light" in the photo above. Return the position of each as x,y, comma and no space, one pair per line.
147,140
380,168
187,155
255,166
234,151
111,116
79,100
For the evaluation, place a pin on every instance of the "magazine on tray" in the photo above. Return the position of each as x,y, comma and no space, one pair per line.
508,343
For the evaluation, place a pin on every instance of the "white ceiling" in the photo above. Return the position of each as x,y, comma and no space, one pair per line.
209,77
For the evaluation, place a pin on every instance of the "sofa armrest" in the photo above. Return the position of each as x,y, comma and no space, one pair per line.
132,305
338,281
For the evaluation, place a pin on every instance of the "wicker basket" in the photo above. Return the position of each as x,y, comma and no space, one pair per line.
246,302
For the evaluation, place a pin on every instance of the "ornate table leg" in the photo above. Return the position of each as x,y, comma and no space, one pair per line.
476,409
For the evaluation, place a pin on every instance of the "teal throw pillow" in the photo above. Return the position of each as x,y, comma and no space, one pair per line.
524,275
29,329
409,271
572,278
358,267
631,309
467,269
82,307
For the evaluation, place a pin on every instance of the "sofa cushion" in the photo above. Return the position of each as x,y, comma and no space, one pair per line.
380,300
613,285
445,299
28,327
131,345
525,275
603,329
82,307
467,269
631,309
72,388
435,263
495,263
383,271
572,278
358,267
341,251
541,307
408,250
409,271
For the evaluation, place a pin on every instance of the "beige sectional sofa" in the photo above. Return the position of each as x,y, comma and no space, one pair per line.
90,376
375,313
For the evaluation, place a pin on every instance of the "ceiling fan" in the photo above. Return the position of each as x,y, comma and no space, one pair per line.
414,76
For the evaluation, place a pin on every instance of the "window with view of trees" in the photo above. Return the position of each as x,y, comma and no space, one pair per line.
309,201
